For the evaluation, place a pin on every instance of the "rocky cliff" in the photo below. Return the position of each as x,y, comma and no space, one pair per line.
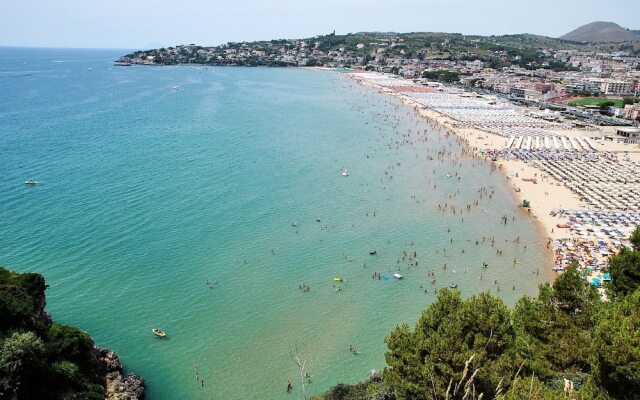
118,385
42,359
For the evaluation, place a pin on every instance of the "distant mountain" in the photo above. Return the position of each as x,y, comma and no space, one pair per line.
601,31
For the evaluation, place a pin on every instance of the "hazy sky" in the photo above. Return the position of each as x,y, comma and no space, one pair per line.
154,23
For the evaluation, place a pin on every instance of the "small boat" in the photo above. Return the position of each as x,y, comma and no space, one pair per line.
159,332
176,88
373,252
397,275
337,279
317,219
295,224
31,182
345,172
453,285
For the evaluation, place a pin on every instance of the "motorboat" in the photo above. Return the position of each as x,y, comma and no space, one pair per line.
345,172
159,332
453,285
31,182
176,88
397,275
373,252
295,224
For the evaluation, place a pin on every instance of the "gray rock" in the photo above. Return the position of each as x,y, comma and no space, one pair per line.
119,385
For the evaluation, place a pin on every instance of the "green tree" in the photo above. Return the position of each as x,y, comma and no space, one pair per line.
444,75
624,268
572,293
607,104
346,392
616,348
635,239
453,340
629,100
21,358
553,330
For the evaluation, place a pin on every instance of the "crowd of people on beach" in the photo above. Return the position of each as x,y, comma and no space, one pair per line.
603,181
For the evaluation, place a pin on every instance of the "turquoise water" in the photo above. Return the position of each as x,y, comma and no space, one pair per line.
148,192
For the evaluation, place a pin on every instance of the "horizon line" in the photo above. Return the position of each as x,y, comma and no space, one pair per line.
259,40
11,46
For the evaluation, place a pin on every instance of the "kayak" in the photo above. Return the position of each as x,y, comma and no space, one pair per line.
337,279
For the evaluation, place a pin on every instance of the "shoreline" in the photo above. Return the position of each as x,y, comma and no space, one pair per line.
539,211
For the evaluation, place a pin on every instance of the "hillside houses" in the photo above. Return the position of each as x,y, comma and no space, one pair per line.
539,70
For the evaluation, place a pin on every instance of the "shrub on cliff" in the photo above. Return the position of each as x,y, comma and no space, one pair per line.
21,301
39,359
66,342
70,353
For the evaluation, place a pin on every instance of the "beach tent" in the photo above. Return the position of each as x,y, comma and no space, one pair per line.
606,277
596,282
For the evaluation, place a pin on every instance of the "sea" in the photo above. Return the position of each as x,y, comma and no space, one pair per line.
202,201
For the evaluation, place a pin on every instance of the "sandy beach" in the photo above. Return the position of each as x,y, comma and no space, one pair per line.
526,182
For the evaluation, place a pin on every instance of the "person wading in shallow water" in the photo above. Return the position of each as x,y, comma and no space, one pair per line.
289,386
